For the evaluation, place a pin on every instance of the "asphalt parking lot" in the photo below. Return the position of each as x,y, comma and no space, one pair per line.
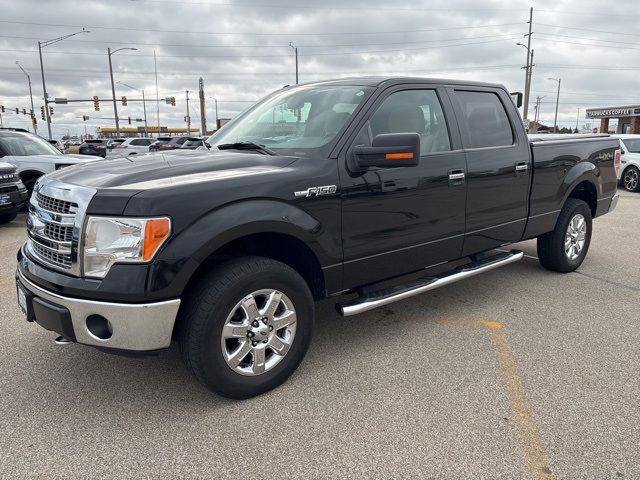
517,373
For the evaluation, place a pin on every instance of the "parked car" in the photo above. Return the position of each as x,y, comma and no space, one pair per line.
377,188
96,147
58,144
630,172
167,143
193,143
13,193
131,146
33,156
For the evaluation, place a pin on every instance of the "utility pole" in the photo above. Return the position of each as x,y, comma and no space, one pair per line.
203,117
188,118
41,45
577,119
295,49
155,67
216,102
113,87
555,120
527,76
35,127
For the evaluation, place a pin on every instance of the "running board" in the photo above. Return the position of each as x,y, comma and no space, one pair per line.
400,292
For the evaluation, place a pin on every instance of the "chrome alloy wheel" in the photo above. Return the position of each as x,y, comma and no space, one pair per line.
631,179
258,332
574,238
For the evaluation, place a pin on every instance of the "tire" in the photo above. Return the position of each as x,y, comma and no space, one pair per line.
215,305
551,246
631,179
9,216
29,183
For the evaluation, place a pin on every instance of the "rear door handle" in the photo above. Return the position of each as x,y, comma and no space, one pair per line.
456,177
521,167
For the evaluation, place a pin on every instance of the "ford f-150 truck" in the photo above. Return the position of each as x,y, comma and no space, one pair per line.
377,188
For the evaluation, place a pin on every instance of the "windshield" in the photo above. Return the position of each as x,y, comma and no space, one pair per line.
19,145
300,118
633,145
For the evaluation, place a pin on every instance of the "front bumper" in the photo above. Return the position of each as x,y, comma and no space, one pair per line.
17,196
134,327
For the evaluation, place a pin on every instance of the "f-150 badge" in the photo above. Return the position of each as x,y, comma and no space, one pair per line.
317,191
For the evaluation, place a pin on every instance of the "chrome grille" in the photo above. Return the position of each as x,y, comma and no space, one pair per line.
63,260
56,205
60,233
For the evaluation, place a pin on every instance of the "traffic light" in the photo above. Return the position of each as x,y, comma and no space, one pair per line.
42,113
51,111
124,101
33,120
129,118
173,101
17,111
85,118
24,111
96,103
1,108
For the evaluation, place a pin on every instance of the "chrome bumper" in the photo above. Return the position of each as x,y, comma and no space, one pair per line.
614,202
136,327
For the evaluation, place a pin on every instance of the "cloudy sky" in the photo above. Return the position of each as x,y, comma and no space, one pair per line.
240,49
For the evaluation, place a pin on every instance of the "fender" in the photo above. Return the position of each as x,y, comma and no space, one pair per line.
186,251
577,174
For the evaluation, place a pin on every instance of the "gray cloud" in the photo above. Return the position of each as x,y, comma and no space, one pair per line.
241,50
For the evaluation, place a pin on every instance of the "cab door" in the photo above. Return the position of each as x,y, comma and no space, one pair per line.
498,168
400,220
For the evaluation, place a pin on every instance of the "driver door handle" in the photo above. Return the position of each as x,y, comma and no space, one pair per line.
456,177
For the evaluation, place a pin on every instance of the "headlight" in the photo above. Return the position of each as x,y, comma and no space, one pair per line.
110,240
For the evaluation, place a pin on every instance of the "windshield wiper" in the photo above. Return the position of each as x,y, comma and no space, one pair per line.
246,146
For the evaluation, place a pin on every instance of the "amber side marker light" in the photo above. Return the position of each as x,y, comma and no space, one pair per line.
156,231
399,156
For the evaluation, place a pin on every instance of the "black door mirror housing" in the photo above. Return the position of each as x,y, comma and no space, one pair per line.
389,150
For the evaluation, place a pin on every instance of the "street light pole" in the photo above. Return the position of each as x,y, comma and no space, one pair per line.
555,120
33,113
295,49
113,87
41,45
216,102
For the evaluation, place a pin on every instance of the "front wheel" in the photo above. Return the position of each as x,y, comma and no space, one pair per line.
565,247
247,326
9,216
631,179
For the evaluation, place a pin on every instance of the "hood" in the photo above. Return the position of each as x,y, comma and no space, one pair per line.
71,158
7,167
143,172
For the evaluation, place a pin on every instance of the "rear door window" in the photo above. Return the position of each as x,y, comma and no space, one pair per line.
484,120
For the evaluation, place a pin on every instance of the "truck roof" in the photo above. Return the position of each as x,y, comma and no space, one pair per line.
376,81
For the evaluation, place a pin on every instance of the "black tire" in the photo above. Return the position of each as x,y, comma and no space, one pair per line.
9,216
206,310
29,183
630,179
551,245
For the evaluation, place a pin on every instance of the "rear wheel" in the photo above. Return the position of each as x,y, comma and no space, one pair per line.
247,326
564,248
631,179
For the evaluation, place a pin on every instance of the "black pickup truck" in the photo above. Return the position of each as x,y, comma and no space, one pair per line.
377,188
13,193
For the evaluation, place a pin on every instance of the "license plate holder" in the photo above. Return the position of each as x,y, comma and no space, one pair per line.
24,301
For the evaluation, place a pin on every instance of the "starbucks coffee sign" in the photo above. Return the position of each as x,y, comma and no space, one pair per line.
613,112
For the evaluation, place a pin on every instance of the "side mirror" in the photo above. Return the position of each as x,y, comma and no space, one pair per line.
517,98
389,150
207,144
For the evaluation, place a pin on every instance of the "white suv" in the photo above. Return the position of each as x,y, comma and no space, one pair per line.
33,156
131,146
630,171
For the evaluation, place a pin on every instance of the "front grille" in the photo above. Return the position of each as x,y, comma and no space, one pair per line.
60,259
60,233
8,189
55,205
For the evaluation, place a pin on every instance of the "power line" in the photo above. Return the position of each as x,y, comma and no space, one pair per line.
588,30
285,34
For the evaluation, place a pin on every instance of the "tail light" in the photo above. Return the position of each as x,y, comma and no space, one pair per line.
120,146
617,160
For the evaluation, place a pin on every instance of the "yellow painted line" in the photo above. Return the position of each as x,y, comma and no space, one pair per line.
530,440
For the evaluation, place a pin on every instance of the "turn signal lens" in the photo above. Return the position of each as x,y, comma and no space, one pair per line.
156,231
399,156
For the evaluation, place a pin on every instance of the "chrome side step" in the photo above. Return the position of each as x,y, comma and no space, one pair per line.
400,292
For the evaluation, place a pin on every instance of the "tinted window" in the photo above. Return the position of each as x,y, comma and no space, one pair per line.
412,111
485,119
139,141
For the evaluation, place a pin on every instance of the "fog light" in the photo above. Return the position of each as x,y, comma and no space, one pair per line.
99,327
